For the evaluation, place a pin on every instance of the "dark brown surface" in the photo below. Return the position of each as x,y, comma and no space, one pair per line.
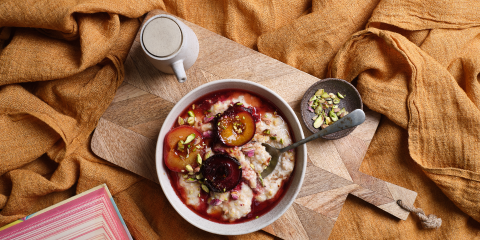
351,102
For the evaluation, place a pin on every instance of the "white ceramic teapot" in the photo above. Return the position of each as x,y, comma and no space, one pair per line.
170,45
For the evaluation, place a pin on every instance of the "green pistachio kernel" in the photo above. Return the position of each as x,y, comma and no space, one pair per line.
199,159
189,168
190,138
205,188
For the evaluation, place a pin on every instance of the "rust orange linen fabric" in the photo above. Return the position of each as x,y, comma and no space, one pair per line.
413,61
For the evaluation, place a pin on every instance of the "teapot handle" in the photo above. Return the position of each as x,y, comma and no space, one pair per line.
179,71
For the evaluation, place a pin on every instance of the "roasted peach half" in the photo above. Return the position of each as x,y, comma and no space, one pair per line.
181,147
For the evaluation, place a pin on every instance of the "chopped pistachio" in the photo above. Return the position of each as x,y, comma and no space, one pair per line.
340,95
208,154
331,113
251,165
273,138
189,168
190,138
281,141
239,103
191,121
185,176
318,122
261,180
319,92
328,121
199,176
205,188
333,116
199,159
191,114
180,145
266,131
181,121
191,180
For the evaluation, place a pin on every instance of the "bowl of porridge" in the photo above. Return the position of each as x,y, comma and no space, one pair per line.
209,157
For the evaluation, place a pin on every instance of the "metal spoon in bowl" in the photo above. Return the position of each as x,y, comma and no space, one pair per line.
352,119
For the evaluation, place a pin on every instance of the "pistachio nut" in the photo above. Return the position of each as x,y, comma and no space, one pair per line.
189,138
181,121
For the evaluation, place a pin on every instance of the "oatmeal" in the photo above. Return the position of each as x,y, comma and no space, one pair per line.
234,124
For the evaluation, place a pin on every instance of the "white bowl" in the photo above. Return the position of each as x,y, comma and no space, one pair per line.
298,173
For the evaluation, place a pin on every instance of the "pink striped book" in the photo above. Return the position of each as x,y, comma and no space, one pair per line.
90,215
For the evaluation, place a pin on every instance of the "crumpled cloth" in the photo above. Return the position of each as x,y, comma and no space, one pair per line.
414,61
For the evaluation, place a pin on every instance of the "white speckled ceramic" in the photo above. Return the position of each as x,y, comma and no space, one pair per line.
165,33
298,173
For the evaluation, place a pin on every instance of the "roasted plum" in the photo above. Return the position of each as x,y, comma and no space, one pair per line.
236,126
222,173
181,147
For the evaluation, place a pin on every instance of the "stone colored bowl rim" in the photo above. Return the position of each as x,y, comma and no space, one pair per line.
298,172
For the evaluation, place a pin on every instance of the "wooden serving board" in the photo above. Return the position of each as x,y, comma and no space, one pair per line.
126,134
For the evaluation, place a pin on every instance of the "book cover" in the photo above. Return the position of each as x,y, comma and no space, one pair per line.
90,215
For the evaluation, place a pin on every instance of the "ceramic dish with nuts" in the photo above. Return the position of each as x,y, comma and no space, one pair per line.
209,157
326,102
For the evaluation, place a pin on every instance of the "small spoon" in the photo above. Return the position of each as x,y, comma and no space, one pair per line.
352,119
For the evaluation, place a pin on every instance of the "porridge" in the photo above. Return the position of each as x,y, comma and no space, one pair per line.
215,156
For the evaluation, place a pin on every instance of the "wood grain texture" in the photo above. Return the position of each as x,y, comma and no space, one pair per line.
126,134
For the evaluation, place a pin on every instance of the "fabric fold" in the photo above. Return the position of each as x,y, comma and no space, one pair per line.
407,85
414,61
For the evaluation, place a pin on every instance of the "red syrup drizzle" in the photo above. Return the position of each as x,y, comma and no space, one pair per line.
257,208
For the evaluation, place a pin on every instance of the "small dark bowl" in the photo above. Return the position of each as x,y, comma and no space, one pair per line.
351,102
